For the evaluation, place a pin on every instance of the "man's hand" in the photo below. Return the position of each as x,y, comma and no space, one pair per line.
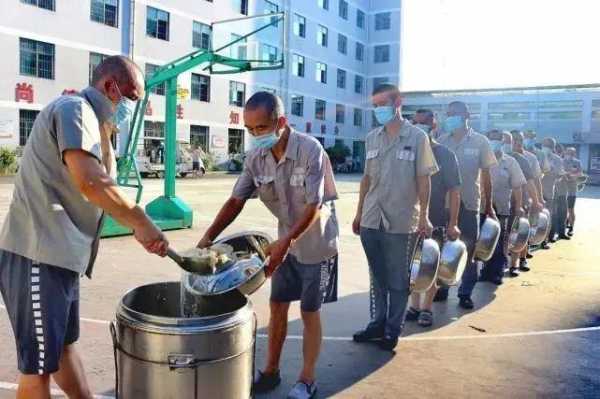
425,227
151,238
491,213
537,207
276,251
204,242
356,224
453,232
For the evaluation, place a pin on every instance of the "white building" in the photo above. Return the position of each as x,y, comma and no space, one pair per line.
570,114
338,49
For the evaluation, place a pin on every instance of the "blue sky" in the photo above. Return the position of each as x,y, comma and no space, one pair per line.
468,44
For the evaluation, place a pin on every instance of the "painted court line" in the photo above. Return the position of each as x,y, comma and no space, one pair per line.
425,338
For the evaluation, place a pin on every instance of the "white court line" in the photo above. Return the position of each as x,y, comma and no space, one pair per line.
13,387
426,338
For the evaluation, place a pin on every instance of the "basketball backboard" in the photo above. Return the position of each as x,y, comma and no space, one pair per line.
248,44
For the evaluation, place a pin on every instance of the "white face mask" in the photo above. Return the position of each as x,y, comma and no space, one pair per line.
423,127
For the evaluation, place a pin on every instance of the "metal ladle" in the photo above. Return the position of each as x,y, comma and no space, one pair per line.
191,264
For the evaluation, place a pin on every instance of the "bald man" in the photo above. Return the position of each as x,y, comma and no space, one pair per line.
51,233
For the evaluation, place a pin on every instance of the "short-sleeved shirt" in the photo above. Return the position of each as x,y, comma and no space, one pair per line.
562,187
49,221
506,176
523,164
534,164
556,170
303,176
473,153
393,165
572,165
446,179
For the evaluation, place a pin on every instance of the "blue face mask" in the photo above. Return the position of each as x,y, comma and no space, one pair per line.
496,145
384,114
124,110
507,148
266,141
529,143
453,122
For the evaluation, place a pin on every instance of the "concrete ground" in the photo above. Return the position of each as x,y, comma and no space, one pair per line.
535,336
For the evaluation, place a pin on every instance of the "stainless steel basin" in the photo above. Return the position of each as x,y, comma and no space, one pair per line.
488,239
424,266
453,261
519,235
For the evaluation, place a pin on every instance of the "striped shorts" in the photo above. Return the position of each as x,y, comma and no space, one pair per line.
42,302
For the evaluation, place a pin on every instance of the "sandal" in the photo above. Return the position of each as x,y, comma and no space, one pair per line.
425,318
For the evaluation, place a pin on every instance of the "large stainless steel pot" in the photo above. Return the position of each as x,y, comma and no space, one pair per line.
540,227
453,260
519,235
424,266
160,354
488,239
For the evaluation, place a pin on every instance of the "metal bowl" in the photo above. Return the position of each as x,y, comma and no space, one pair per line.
246,274
488,239
519,235
424,266
453,261
540,226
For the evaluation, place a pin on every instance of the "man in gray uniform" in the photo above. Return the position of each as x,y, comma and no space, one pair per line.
292,176
556,171
475,158
561,191
392,210
51,233
574,170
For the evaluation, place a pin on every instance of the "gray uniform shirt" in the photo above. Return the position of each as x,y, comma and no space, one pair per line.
303,176
536,169
473,153
506,175
572,165
49,220
554,173
393,167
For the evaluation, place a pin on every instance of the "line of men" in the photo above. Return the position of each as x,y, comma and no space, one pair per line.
413,178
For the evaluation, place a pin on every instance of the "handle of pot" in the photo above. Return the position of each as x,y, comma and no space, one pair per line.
171,253
113,333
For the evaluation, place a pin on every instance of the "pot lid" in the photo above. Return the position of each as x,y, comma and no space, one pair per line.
244,272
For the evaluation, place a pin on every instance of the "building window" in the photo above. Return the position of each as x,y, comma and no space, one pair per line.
321,72
360,52
340,113
236,141
297,105
298,65
342,44
341,79
105,11
382,54
157,23
271,8
199,136
379,81
322,34
241,6
95,60
237,93
360,19
299,25
201,36
320,110
36,58
382,21
200,87
343,9
47,4
238,51
26,119
359,83
268,52
154,129
358,117
324,4
161,89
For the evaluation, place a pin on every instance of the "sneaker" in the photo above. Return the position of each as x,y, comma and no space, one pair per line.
302,390
564,237
528,256
512,272
388,343
266,382
465,302
412,314
368,334
425,318
545,245
441,295
497,280
552,240
523,266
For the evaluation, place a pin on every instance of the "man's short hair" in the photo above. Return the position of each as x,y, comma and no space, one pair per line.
460,106
267,101
427,112
386,88
117,67
550,140
517,135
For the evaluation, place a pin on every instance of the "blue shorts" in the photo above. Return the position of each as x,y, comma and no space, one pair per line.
312,285
43,306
